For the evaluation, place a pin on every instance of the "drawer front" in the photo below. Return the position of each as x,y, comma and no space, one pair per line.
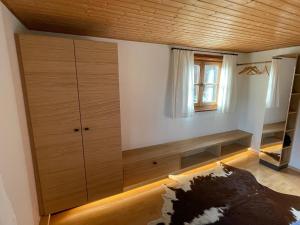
140,171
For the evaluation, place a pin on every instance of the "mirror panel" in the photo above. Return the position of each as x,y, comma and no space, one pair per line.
280,113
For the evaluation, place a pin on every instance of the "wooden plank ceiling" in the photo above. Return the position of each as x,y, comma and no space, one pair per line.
234,25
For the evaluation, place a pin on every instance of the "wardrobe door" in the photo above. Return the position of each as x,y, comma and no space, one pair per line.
98,82
52,101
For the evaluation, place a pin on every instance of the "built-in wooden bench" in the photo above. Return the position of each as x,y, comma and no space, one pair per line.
272,134
273,127
155,161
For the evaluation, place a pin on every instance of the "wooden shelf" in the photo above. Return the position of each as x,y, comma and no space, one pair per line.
295,95
291,122
296,84
290,130
292,112
155,161
232,149
273,127
294,103
181,147
202,157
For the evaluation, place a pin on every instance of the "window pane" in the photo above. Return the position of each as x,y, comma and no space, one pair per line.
196,74
211,74
210,94
196,94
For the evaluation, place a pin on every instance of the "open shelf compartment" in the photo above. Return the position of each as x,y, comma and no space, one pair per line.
236,146
215,152
294,103
290,135
200,156
272,134
296,84
273,127
291,122
270,139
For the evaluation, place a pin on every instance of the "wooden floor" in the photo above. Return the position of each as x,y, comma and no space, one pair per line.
141,205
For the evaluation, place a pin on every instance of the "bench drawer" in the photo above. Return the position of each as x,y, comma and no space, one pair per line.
137,172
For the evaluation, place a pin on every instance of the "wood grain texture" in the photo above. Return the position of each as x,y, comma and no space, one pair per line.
98,80
236,25
180,147
274,127
144,170
45,220
157,161
52,97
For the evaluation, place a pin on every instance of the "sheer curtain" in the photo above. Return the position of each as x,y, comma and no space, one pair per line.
227,89
182,74
272,100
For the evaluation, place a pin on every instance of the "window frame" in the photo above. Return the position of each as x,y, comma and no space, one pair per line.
203,60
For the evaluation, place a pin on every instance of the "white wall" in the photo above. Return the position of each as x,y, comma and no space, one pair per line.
143,87
18,203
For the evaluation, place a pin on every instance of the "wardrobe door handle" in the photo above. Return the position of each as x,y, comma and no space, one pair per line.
86,128
76,130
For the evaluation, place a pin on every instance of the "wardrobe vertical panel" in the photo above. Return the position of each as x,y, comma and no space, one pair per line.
97,71
50,83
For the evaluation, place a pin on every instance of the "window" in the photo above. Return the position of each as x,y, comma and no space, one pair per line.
207,70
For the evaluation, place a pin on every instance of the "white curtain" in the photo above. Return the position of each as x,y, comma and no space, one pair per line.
272,100
182,74
227,89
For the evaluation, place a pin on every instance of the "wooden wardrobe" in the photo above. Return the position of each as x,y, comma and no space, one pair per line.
72,98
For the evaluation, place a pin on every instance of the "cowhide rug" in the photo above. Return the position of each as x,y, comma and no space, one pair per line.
226,196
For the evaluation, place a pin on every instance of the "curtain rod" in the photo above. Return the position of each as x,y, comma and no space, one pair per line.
214,52
250,63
